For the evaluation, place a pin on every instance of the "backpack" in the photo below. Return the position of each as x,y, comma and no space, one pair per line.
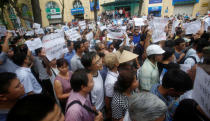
185,58
84,106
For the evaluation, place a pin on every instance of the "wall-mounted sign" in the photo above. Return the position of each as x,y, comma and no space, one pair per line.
53,11
92,5
155,1
181,2
77,11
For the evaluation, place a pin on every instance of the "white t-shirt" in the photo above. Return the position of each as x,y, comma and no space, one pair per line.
97,93
111,78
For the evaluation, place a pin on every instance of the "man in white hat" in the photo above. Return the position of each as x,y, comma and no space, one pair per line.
148,74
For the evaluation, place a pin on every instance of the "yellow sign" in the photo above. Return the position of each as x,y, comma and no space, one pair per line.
205,5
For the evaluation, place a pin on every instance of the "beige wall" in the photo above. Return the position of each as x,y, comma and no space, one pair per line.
198,7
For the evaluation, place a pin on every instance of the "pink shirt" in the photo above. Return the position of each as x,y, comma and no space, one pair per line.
77,112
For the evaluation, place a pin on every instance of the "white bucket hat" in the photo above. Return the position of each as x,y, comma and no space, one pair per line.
154,50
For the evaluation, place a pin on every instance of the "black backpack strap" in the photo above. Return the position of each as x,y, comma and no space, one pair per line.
84,106
72,103
193,59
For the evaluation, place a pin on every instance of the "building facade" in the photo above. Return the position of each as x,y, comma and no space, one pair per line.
175,7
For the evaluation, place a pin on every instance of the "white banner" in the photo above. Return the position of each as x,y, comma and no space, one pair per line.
30,33
157,26
139,21
39,31
89,36
54,45
72,34
192,27
36,26
34,44
82,25
115,33
201,90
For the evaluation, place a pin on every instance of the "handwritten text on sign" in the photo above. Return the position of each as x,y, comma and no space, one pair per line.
54,45
201,90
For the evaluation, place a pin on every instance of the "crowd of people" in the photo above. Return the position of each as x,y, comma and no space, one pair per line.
128,79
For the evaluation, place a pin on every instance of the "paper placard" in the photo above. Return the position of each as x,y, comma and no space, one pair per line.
115,33
89,36
36,26
139,21
157,26
82,25
174,25
201,90
34,44
192,27
72,34
39,31
30,33
185,67
65,28
3,31
54,45
102,28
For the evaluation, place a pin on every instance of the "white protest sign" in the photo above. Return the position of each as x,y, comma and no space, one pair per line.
65,28
82,24
54,45
201,90
39,31
89,36
34,44
115,33
139,21
192,27
72,34
102,28
157,26
36,26
207,20
30,33
185,67
174,25
3,31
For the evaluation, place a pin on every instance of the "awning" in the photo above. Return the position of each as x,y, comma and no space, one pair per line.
120,3
182,2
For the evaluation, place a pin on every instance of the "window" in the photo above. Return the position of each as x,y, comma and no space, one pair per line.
77,4
51,4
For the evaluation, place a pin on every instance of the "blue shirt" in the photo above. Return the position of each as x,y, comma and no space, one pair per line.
3,114
168,100
7,65
136,39
68,57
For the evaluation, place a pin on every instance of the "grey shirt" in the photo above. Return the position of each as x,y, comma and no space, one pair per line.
76,63
40,69
7,65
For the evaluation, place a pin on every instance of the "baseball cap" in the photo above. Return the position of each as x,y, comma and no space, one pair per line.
154,49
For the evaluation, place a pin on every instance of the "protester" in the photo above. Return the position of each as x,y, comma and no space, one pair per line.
68,56
82,84
175,82
76,59
10,91
123,89
179,48
62,85
149,74
43,69
145,106
25,75
35,108
93,63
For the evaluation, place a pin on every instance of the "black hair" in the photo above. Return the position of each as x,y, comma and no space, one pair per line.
31,108
69,43
19,58
77,45
88,58
101,55
79,78
169,43
178,41
179,31
187,111
60,62
168,53
177,79
5,81
125,80
38,51
201,44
